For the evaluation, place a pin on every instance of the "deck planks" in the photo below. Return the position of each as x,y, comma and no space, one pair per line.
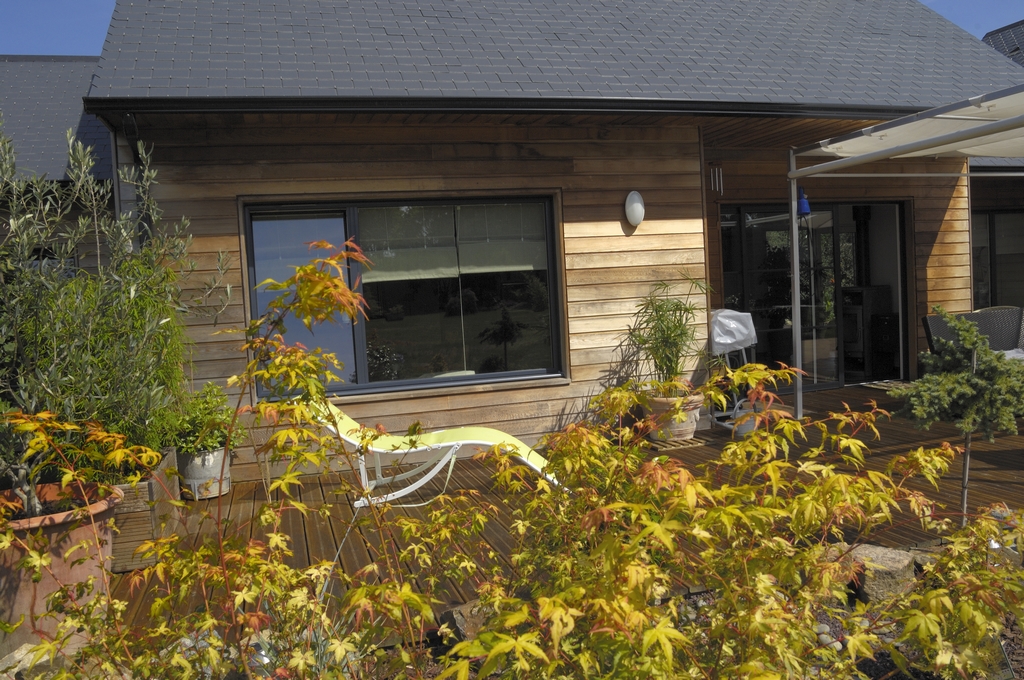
997,475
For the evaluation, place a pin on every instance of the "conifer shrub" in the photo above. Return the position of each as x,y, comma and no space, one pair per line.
969,384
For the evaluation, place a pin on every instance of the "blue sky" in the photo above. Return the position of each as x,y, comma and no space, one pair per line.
79,26
979,16
54,26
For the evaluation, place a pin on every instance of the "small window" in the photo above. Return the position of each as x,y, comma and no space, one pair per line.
457,292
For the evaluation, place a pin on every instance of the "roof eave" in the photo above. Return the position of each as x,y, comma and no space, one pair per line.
111,108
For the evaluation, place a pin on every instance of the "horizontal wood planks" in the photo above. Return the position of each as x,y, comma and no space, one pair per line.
210,166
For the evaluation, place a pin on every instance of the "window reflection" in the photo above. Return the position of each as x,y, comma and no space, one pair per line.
456,291
280,244
453,290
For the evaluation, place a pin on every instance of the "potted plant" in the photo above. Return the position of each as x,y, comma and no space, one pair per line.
204,433
104,343
46,518
664,337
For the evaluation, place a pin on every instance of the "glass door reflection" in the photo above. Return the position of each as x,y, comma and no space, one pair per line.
851,287
818,299
764,277
757,279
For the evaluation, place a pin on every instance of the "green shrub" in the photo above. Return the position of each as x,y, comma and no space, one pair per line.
205,421
99,342
969,384
90,308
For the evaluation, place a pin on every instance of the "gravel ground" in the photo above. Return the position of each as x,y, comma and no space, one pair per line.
1013,643
882,666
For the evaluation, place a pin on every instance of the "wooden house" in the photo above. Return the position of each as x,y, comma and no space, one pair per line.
481,154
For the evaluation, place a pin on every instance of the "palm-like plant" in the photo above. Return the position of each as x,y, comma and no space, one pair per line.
664,330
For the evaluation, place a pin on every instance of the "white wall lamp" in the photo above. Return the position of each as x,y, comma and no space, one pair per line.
635,208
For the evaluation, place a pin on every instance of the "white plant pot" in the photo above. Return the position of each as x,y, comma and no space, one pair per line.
200,473
740,412
745,427
668,428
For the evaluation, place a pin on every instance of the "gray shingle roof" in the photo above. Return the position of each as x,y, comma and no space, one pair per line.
40,100
1009,40
986,162
887,53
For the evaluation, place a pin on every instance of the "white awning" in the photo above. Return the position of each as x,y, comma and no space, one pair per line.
989,125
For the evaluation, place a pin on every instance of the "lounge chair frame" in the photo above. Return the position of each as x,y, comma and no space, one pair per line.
442,447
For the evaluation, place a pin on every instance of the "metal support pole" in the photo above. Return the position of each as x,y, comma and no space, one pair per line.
794,256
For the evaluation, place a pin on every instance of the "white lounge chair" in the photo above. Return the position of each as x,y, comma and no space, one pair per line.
442,446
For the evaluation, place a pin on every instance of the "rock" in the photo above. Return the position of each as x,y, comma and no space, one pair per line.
887,572
839,552
18,665
464,620
836,550
1003,554
925,556
1001,512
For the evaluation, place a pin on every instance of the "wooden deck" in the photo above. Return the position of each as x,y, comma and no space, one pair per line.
997,468
997,475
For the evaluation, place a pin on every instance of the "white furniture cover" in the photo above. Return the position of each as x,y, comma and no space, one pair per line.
731,331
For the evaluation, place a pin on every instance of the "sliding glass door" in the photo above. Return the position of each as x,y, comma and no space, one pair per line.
849,287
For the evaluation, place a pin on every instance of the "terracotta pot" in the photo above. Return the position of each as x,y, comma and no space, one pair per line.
18,594
668,428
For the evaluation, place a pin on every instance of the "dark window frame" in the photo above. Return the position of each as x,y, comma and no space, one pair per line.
990,219
350,211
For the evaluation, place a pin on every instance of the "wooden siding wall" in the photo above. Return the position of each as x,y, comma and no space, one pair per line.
936,211
210,166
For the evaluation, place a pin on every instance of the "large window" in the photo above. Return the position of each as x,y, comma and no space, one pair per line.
457,292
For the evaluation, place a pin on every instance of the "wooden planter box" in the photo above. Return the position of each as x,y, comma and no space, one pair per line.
145,514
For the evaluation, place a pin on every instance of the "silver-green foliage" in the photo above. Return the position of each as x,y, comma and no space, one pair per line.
89,305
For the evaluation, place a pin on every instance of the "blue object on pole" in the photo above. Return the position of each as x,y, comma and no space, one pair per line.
803,206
